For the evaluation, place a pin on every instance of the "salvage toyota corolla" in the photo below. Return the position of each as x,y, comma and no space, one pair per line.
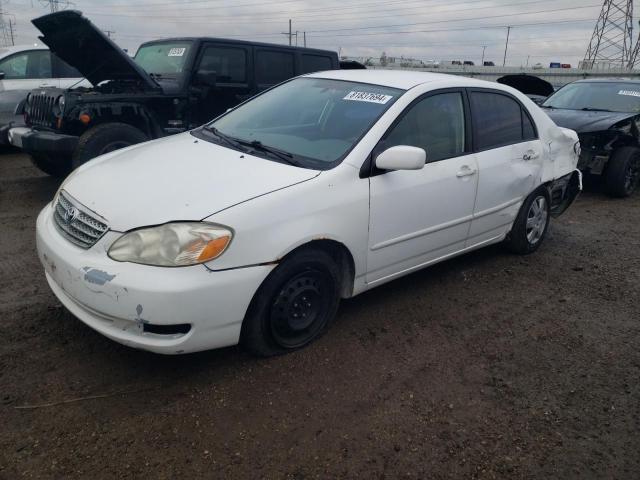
252,228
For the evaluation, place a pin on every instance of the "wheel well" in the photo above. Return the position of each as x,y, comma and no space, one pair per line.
342,257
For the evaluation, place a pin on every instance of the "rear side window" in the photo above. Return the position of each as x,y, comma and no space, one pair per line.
228,63
273,67
499,120
315,63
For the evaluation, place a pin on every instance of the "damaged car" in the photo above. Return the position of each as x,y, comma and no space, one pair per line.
606,115
170,86
319,189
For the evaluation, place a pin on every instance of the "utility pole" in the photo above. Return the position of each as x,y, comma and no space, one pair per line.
506,46
11,24
304,35
484,47
528,56
109,32
290,34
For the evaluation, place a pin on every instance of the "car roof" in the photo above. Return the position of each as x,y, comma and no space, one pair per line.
6,51
608,80
404,79
237,42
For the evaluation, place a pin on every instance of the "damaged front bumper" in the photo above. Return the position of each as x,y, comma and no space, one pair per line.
163,310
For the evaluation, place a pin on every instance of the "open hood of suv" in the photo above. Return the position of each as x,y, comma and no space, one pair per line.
527,84
82,45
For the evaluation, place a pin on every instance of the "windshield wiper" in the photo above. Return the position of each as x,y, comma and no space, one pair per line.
589,109
281,154
233,142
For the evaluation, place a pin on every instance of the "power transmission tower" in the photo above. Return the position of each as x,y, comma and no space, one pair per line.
6,38
612,40
634,55
56,5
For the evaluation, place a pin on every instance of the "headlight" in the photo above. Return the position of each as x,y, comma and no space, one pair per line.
28,99
61,103
173,244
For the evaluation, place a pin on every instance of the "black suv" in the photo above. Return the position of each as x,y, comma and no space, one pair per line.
170,86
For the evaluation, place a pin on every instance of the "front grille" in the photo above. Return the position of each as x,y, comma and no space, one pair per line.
76,223
40,109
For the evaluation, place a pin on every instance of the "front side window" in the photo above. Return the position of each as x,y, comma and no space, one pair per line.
273,67
229,64
164,59
34,64
315,121
497,120
435,124
606,96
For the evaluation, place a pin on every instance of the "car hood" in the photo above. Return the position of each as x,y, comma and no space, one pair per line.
175,178
82,45
527,84
583,121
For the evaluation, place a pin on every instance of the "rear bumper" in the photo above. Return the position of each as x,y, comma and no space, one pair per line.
564,191
37,141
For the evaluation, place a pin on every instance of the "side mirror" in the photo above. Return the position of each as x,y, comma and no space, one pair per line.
208,79
1,75
402,157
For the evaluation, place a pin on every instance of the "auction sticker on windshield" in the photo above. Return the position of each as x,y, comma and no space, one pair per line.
630,93
368,97
176,52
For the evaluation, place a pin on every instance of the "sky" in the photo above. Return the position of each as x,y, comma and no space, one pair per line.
542,31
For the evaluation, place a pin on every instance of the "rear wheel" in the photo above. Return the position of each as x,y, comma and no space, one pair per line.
294,305
56,166
623,171
105,138
531,224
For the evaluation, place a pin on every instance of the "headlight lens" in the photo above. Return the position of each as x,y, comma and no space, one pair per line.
173,244
61,103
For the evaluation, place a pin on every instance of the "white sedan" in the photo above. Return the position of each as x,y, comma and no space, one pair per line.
252,228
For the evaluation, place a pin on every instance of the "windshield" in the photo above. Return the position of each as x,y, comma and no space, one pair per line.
611,96
166,59
315,121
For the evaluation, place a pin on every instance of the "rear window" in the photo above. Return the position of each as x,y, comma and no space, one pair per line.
315,63
273,67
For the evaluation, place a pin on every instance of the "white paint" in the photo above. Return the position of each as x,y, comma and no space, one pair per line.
392,224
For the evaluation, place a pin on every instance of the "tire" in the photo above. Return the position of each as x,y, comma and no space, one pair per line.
105,138
277,321
623,172
56,166
531,224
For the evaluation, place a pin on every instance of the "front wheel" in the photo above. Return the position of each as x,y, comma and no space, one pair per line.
623,172
294,305
531,224
105,138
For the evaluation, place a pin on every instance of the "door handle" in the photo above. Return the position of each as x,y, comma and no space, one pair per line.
530,156
465,171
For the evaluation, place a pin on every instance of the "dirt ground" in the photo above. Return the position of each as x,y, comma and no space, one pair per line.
487,366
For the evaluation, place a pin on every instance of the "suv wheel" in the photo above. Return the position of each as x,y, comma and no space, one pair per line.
531,224
623,171
294,305
53,165
105,138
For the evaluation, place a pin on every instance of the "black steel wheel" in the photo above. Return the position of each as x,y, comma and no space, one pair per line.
294,305
623,172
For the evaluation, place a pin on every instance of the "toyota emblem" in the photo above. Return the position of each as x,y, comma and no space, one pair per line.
70,215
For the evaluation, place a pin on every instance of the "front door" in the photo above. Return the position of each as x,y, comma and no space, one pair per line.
418,217
221,80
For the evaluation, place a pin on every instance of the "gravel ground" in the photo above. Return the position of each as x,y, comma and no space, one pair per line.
487,366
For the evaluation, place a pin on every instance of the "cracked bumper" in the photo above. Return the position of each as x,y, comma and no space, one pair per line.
117,299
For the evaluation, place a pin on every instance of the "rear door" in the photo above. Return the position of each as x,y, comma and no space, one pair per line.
509,156
231,66
273,66
419,216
